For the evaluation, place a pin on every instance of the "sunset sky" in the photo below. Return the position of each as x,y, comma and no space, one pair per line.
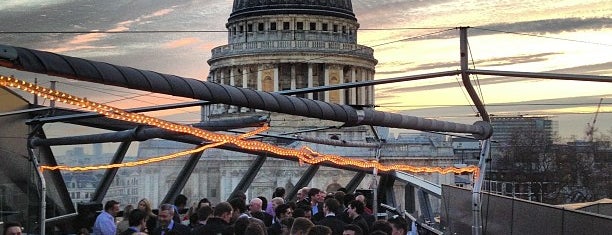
408,37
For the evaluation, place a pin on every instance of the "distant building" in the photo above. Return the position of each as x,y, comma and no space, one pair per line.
82,185
505,128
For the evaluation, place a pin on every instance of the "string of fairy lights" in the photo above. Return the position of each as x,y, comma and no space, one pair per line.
303,155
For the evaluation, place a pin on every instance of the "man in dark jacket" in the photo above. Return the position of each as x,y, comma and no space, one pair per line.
355,210
137,220
330,206
166,223
219,223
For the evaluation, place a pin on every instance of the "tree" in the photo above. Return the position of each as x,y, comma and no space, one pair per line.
541,170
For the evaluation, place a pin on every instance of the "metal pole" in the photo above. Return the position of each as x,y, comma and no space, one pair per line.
374,186
476,200
52,102
43,190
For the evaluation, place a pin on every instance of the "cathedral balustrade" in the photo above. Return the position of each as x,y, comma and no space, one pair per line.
292,45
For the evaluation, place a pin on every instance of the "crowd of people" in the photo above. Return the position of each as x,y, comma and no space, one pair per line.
314,212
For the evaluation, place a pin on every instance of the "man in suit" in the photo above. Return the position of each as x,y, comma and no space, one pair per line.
330,206
355,210
219,223
137,220
166,223
256,210
316,203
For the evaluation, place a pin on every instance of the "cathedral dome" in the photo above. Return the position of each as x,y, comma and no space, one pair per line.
337,8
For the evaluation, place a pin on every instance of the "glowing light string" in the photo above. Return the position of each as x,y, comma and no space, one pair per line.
304,155
134,163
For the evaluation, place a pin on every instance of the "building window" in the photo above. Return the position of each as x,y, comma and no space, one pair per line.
285,25
234,30
250,28
324,26
241,29
344,29
260,27
335,27
300,26
313,26
273,26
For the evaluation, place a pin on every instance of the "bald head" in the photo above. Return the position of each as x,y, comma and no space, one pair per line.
255,205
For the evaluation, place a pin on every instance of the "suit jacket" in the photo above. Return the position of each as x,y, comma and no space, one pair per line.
214,226
361,222
129,231
177,227
334,223
263,216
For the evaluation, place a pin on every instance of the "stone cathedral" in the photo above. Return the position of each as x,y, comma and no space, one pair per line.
277,45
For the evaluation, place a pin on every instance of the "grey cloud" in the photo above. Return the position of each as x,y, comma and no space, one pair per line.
536,27
480,63
586,69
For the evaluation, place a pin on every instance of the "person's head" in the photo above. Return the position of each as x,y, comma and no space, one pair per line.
301,226
331,205
238,207
360,198
112,207
180,201
137,218
348,198
399,225
382,225
203,202
355,208
278,192
126,211
283,211
12,228
255,228
339,195
286,224
166,212
223,211
320,230
204,212
255,205
264,202
302,193
277,201
352,229
313,193
145,205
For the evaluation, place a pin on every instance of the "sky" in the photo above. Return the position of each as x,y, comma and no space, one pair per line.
409,37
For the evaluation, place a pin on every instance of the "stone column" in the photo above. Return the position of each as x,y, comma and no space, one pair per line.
353,91
259,77
276,77
293,81
362,90
232,81
310,82
326,93
341,81
245,76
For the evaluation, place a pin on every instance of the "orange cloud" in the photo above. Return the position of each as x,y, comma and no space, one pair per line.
159,13
85,38
75,48
181,42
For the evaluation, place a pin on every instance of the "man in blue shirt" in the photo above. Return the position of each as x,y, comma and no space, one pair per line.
105,222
